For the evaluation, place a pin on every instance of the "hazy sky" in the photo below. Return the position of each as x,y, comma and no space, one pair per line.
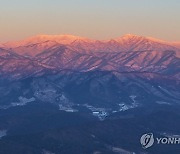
97,19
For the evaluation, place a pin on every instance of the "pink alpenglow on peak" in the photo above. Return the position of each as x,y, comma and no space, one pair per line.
40,43
61,39
130,36
68,39
176,44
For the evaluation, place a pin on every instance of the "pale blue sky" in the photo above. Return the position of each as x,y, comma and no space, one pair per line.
97,19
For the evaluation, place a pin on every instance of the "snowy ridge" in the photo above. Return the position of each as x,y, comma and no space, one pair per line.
37,44
129,53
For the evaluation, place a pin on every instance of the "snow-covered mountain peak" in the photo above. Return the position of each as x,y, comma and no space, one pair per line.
176,44
40,43
61,39
131,36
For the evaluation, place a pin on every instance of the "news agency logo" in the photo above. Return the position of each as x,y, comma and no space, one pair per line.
147,140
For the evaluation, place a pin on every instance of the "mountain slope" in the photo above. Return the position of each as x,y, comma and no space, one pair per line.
63,39
63,58
176,44
40,43
85,96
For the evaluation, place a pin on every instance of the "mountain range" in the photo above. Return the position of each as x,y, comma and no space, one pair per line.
37,44
65,94
53,53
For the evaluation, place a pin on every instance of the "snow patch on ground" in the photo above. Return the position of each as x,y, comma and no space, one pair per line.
162,103
124,107
67,108
101,113
3,133
23,101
